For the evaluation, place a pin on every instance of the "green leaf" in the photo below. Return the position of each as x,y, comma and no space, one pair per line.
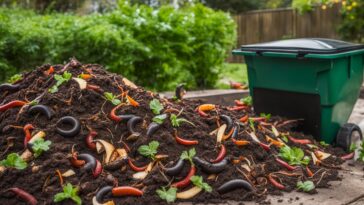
247,100
324,144
15,78
176,122
285,138
167,195
112,98
306,186
39,146
13,160
155,106
159,118
188,155
69,192
198,181
149,150
353,147
65,77
251,124
116,101
294,156
267,116
109,96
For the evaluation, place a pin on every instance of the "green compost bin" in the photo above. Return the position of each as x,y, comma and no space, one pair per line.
317,80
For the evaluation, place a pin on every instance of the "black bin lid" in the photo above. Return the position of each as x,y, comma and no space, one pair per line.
304,46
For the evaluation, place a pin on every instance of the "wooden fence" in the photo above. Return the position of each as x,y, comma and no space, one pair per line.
269,25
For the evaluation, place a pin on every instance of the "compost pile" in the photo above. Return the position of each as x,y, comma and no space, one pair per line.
113,142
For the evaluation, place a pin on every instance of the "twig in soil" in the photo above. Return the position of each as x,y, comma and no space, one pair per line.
247,178
163,175
45,184
102,109
317,172
322,175
354,200
112,136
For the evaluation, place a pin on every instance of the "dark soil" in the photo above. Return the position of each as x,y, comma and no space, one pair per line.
92,110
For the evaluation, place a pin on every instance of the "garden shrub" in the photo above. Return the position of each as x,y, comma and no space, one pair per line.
157,48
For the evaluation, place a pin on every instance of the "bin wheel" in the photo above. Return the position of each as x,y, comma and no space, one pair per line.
349,134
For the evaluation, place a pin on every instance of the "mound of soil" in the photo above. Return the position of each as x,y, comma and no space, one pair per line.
250,162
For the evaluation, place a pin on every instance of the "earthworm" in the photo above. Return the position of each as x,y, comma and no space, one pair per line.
76,126
228,121
187,180
221,155
152,128
209,167
90,160
176,169
233,185
45,110
102,193
9,87
24,195
131,125
126,191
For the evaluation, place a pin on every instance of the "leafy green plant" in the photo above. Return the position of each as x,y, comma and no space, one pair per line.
69,192
167,195
251,124
188,155
15,78
361,152
13,160
324,144
134,32
155,106
176,122
65,77
112,98
40,146
294,156
149,150
306,186
247,100
267,116
353,147
159,118
198,181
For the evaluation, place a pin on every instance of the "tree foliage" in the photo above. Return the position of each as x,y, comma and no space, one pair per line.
155,47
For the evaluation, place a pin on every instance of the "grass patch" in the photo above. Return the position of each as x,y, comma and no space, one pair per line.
235,72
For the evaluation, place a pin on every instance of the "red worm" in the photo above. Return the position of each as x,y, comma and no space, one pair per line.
186,181
275,183
285,164
136,168
89,140
30,199
309,172
258,119
184,141
98,169
264,146
244,118
237,108
113,115
27,133
299,141
126,191
221,155
94,87
239,103
348,156
75,162
15,103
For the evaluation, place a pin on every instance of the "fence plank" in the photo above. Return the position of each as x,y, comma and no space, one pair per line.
269,25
